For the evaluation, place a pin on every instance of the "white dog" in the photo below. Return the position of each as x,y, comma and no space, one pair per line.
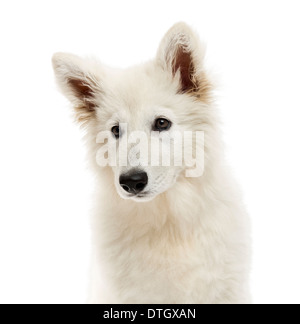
158,235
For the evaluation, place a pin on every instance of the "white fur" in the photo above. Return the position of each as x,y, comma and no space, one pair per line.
189,242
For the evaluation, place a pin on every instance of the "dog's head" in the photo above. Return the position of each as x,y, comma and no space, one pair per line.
142,110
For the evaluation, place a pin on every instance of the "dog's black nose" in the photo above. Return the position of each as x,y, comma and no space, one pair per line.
134,182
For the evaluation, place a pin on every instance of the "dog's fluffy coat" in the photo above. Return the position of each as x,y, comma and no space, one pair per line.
190,242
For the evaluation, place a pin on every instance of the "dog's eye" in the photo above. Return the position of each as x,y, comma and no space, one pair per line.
116,131
162,124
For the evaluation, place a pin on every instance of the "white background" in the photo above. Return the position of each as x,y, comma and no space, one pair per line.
253,47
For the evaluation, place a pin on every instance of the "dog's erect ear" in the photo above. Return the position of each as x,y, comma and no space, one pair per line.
181,54
77,79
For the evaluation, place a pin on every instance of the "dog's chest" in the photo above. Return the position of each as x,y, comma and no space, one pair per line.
164,267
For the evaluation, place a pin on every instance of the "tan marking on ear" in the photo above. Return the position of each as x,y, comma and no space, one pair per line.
85,109
183,62
204,89
198,86
83,115
81,88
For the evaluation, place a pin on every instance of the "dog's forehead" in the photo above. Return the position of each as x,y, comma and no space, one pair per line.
135,93
137,96
136,85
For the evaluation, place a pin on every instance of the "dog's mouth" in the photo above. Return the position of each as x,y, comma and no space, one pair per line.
143,197
142,194
140,197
